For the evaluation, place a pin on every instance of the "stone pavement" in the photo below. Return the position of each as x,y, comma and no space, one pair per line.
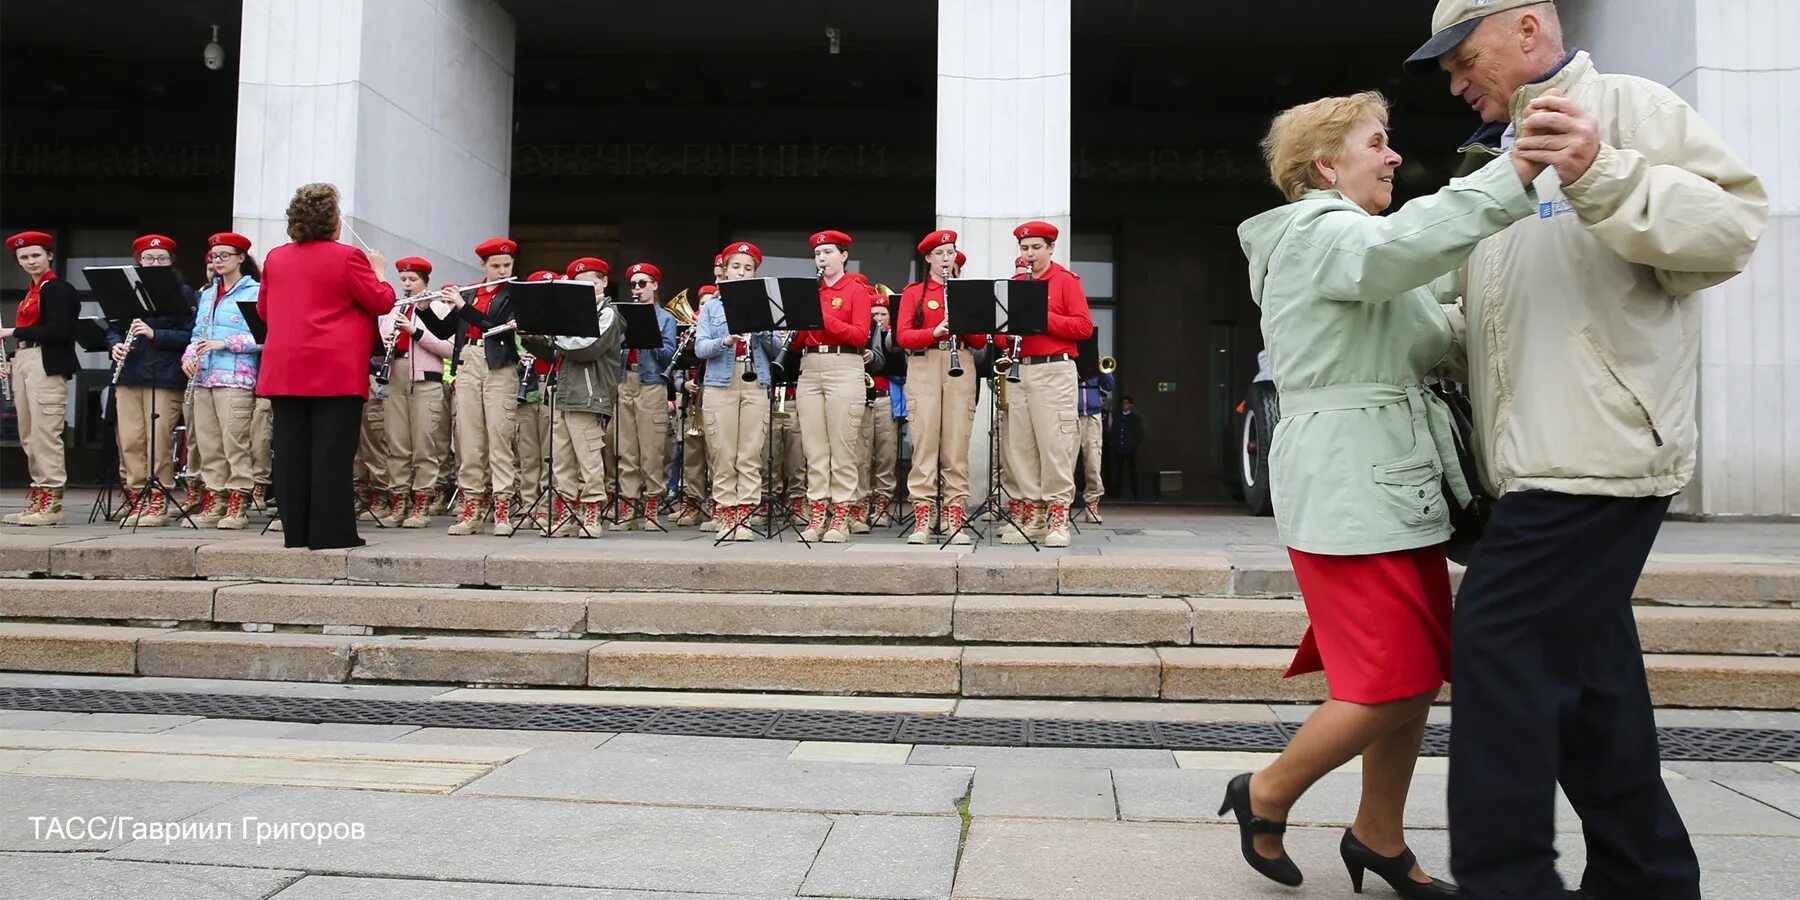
462,814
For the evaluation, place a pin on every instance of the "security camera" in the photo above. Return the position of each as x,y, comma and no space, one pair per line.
214,54
831,34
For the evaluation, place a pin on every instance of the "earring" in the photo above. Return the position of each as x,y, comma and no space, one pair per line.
1332,179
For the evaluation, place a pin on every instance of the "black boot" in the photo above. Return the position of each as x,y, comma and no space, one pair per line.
1395,870
1281,869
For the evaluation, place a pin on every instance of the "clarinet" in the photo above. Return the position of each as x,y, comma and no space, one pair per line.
1012,369
187,397
956,366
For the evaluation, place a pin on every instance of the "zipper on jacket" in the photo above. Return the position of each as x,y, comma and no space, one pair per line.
1642,409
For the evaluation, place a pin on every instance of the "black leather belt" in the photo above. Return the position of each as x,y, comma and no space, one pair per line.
1054,357
434,376
831,350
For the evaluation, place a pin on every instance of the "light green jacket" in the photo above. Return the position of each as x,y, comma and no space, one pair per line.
1352,317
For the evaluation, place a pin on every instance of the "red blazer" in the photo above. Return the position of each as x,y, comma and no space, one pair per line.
320,300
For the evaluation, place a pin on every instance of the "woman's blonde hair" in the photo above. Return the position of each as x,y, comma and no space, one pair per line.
313,213
1314,131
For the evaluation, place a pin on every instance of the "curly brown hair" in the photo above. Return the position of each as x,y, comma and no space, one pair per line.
313,213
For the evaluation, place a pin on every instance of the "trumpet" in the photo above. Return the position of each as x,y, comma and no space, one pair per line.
1108,365
119,367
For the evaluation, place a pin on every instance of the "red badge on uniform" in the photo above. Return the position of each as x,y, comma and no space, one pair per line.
837,303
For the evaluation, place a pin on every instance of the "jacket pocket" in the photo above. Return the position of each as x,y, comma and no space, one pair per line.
1633,398
1410,489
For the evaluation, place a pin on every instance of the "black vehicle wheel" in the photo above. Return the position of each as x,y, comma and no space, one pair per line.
1257,429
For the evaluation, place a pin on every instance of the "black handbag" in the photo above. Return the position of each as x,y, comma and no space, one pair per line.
1466,522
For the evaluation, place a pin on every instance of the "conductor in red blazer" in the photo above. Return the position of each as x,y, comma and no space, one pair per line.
320,299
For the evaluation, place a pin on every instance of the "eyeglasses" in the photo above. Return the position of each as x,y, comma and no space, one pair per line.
640,284
155,259
220,255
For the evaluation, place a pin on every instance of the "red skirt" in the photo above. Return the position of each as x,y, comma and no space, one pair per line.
1380,623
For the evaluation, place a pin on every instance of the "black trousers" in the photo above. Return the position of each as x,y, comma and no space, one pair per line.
1124,474
1550,688
315,440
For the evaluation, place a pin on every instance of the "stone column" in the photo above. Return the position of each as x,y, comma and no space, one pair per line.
1003,146
1738,63
405,105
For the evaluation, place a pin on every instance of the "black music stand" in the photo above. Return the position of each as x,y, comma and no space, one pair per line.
137,292
995,307
755,305
554,309
90,335
642,332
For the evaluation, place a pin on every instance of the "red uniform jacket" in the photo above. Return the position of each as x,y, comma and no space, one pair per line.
919,338
1070,320
846,308
320,300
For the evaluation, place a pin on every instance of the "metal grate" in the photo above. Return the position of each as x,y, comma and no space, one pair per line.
960,730
821,725
1072,733
1677,744
713,722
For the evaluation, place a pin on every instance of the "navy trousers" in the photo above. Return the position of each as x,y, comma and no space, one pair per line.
1550,688
315,452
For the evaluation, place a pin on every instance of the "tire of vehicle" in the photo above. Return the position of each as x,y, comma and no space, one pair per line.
1256,433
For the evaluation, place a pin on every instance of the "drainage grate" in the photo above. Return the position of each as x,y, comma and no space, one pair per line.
1072,733
1677,744
1261,736
714,722
958,730
821,725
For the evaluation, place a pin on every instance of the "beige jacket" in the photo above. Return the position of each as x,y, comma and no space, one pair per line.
1583,331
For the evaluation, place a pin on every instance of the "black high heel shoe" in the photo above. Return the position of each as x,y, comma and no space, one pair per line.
1281,869
1395,870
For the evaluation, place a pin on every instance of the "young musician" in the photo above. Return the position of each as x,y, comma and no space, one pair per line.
44,328
1090,411
788,481
643,419
1040,427
831,393
737,411
696,506
941,408
221,362
534,425
413,401
587,385
375,467
146,354
880,432
486,396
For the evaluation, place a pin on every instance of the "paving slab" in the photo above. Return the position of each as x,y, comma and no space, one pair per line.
1016,618
765,615
1040,757
984,573
852,751
225,654
422,560
223,686
266,559
41,878
126,723
1163,573
1061,672
77,798
26,551
347,731
445,609
1115,710
333,887
233,728
1719,583
667,745
1757,632
132,765
1248,621
505,737
119,555
886,858
924,706
854,668
462,838
26,719
1755,682
473,660
725,782
62,598
1234,673
87,649
1782,794
1043,793
651,565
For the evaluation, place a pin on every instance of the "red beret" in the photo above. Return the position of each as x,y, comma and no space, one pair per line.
961,258
1020,263
152,242
29,239
838,238
719,261
542,275
1036,229
707,290
587,264
644,269
744,247
412,264
936,239
229,239
495,247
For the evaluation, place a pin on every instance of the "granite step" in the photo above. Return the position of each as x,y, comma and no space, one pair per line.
1245,674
